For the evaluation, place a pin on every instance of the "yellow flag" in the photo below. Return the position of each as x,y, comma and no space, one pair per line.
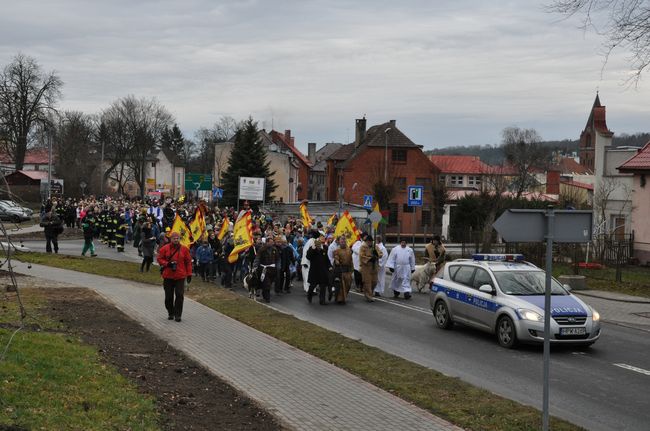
306,218
185,233
376,210
347,228
197,225
330,221
224,228
242,236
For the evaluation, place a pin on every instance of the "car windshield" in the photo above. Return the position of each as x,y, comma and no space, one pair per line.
526,283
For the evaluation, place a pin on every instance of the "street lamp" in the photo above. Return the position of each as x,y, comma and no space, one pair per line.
386,155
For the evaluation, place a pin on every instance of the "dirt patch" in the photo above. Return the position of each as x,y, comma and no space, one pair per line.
68,233
189,397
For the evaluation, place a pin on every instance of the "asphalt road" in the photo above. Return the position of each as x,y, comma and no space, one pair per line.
587,388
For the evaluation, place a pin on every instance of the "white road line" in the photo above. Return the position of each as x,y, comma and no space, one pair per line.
408,307
631,368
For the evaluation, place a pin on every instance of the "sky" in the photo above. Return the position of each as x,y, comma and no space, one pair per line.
449,72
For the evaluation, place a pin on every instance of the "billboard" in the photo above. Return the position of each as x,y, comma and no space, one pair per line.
251,188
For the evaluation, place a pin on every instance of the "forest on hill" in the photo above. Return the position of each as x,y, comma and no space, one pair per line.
493,154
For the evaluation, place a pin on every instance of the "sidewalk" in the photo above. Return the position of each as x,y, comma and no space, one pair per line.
619,309
303,391
12,229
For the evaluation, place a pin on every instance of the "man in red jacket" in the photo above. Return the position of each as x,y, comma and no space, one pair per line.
176,262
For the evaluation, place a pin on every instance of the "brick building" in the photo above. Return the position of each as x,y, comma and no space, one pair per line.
384,154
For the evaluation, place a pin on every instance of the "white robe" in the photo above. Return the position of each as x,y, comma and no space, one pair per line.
330,251
381,276
356,262
304,261
402,260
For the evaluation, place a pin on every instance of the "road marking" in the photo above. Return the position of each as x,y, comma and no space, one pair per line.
408,307
631,368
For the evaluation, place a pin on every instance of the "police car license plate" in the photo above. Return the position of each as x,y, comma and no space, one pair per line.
573,331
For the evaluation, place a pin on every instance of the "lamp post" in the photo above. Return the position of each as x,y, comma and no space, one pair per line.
386,154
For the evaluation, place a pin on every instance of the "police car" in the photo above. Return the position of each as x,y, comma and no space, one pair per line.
504,295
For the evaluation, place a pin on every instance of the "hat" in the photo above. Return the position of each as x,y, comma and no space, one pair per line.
167,229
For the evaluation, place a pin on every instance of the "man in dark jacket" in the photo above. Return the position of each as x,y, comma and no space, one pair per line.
53,226
265,263
286,260
319,267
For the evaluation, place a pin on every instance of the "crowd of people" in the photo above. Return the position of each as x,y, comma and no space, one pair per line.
283,251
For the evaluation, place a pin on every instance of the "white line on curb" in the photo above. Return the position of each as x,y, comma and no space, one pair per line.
631,368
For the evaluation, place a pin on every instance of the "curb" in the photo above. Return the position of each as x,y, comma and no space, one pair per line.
629,301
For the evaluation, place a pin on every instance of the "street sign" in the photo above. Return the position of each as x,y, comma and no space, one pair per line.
251,188
367,202
415,194
217,193
194,181
517,225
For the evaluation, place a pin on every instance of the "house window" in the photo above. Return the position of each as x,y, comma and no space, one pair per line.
407,209
474,180
400,183
153,164
426,216
392,215
443,179
456,180
398,155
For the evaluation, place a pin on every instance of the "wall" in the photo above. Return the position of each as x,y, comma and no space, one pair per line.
640,214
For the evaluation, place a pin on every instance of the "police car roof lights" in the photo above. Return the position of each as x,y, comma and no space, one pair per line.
498,257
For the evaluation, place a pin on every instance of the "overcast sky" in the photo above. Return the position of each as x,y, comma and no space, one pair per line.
450,72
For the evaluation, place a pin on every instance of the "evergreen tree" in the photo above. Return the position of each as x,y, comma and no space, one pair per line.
173,140
247,159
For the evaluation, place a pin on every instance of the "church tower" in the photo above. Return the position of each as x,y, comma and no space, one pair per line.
595,137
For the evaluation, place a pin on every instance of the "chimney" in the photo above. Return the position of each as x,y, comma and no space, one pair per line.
360,132
311,152
287,135
553,182
392,123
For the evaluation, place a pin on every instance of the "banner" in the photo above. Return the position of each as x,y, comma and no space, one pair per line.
330,221
197,225
224,228
304,214
185,233
377,217
347,228
242,236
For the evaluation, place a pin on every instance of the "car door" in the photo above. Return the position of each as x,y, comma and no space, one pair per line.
462,287
482,305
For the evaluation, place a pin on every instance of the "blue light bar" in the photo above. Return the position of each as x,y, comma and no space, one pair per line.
498,257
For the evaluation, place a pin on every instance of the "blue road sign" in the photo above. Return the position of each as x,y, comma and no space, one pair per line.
415,194
217,193
367,202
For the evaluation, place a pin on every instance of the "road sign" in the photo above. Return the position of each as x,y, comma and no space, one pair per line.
367,202
415,194
217,193
516,225
194,181
251,188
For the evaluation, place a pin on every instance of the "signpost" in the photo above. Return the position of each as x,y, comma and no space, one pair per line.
537,226
251,189
194,181
414,199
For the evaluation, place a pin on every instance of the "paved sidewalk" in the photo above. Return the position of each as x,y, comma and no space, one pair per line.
617,308
13,229
303,391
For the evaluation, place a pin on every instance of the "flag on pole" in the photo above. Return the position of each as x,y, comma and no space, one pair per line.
330,221
304,214
347,228
182,229
242,236
224,228
197,225
377,217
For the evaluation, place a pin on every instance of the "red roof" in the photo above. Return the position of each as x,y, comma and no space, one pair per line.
639,162
460,164
34,175
568,165
578,184
289,143
34,156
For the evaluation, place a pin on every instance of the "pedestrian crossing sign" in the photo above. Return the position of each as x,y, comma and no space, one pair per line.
367,202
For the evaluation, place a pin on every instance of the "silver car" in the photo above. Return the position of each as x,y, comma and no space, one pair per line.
503,295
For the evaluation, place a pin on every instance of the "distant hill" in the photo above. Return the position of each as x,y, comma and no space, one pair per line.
493,154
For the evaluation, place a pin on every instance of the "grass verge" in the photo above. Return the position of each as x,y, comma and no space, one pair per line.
636,280
51,380
450,398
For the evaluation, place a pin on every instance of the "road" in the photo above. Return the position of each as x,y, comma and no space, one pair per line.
602,388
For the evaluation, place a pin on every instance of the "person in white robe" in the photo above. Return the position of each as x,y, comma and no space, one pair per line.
381,276
401,263
356,263
305,262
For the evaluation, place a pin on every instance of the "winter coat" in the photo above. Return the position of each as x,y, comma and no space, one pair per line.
204,254
175,253
319,265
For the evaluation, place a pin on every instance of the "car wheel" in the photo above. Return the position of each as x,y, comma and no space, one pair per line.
506,333
15,219
441,314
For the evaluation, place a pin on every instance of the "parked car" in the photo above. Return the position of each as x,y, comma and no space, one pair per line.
13,213
27,211
504,295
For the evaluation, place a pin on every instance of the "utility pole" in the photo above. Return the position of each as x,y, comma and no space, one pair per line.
49,163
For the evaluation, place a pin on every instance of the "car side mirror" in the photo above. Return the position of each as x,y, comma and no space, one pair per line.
487,289
567,287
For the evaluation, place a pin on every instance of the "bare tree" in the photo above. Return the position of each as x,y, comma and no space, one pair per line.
26,96
524,152
625,24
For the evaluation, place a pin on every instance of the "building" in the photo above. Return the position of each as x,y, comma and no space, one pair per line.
379,156
317,190
460,171
36,159
612,196
639,167
298,182
26,185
